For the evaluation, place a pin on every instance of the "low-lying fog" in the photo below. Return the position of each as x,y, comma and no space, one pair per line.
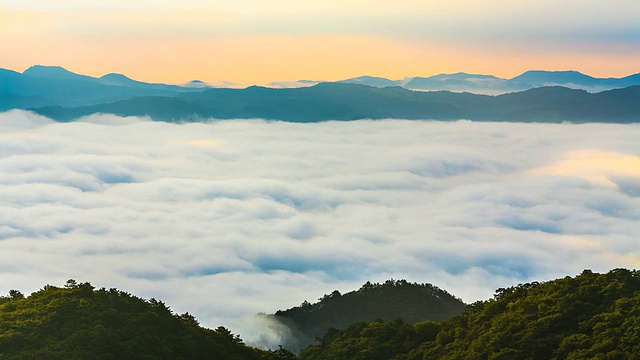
230,218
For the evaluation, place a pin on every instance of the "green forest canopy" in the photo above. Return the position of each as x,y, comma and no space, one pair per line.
79,322
392,299
590,316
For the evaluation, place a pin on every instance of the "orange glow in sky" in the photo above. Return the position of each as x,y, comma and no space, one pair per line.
599,167
254,42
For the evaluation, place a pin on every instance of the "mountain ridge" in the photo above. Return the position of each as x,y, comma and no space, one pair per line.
343,102
57,86
443,81
492,85
53,72
63,95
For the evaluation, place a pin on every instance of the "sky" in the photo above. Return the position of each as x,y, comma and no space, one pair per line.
257,41
226,219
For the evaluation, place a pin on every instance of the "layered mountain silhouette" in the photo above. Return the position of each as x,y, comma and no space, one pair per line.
491,85
52,85
335,101
533,96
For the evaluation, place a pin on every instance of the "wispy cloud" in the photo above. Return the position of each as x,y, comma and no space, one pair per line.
229,218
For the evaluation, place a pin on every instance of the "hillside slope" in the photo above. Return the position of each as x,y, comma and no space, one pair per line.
389,300
80,322
590,316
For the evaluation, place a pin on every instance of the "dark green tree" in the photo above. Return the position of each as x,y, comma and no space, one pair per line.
78,322
590,316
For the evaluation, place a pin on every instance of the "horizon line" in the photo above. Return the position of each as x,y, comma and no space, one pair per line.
282,81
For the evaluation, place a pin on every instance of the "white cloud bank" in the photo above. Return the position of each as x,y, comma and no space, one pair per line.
230,218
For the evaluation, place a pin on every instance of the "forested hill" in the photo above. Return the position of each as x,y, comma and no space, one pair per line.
590,316
80,322
390,300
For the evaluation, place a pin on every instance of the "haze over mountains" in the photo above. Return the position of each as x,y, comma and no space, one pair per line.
491,85
543,97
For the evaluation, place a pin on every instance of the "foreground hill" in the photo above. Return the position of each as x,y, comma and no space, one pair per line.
339,101
389,300
590,316
79,322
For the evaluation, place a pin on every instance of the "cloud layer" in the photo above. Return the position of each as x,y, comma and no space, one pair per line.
229,218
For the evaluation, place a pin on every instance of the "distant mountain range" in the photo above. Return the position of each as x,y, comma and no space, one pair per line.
52,85
334,101
491,85
532,96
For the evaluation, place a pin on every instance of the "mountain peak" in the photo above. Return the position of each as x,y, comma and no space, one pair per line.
51,72
115,76
461,76
196,84
554,72
370,81
117,79
541,77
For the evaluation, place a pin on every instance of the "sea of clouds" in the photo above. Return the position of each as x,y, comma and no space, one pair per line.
226,219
